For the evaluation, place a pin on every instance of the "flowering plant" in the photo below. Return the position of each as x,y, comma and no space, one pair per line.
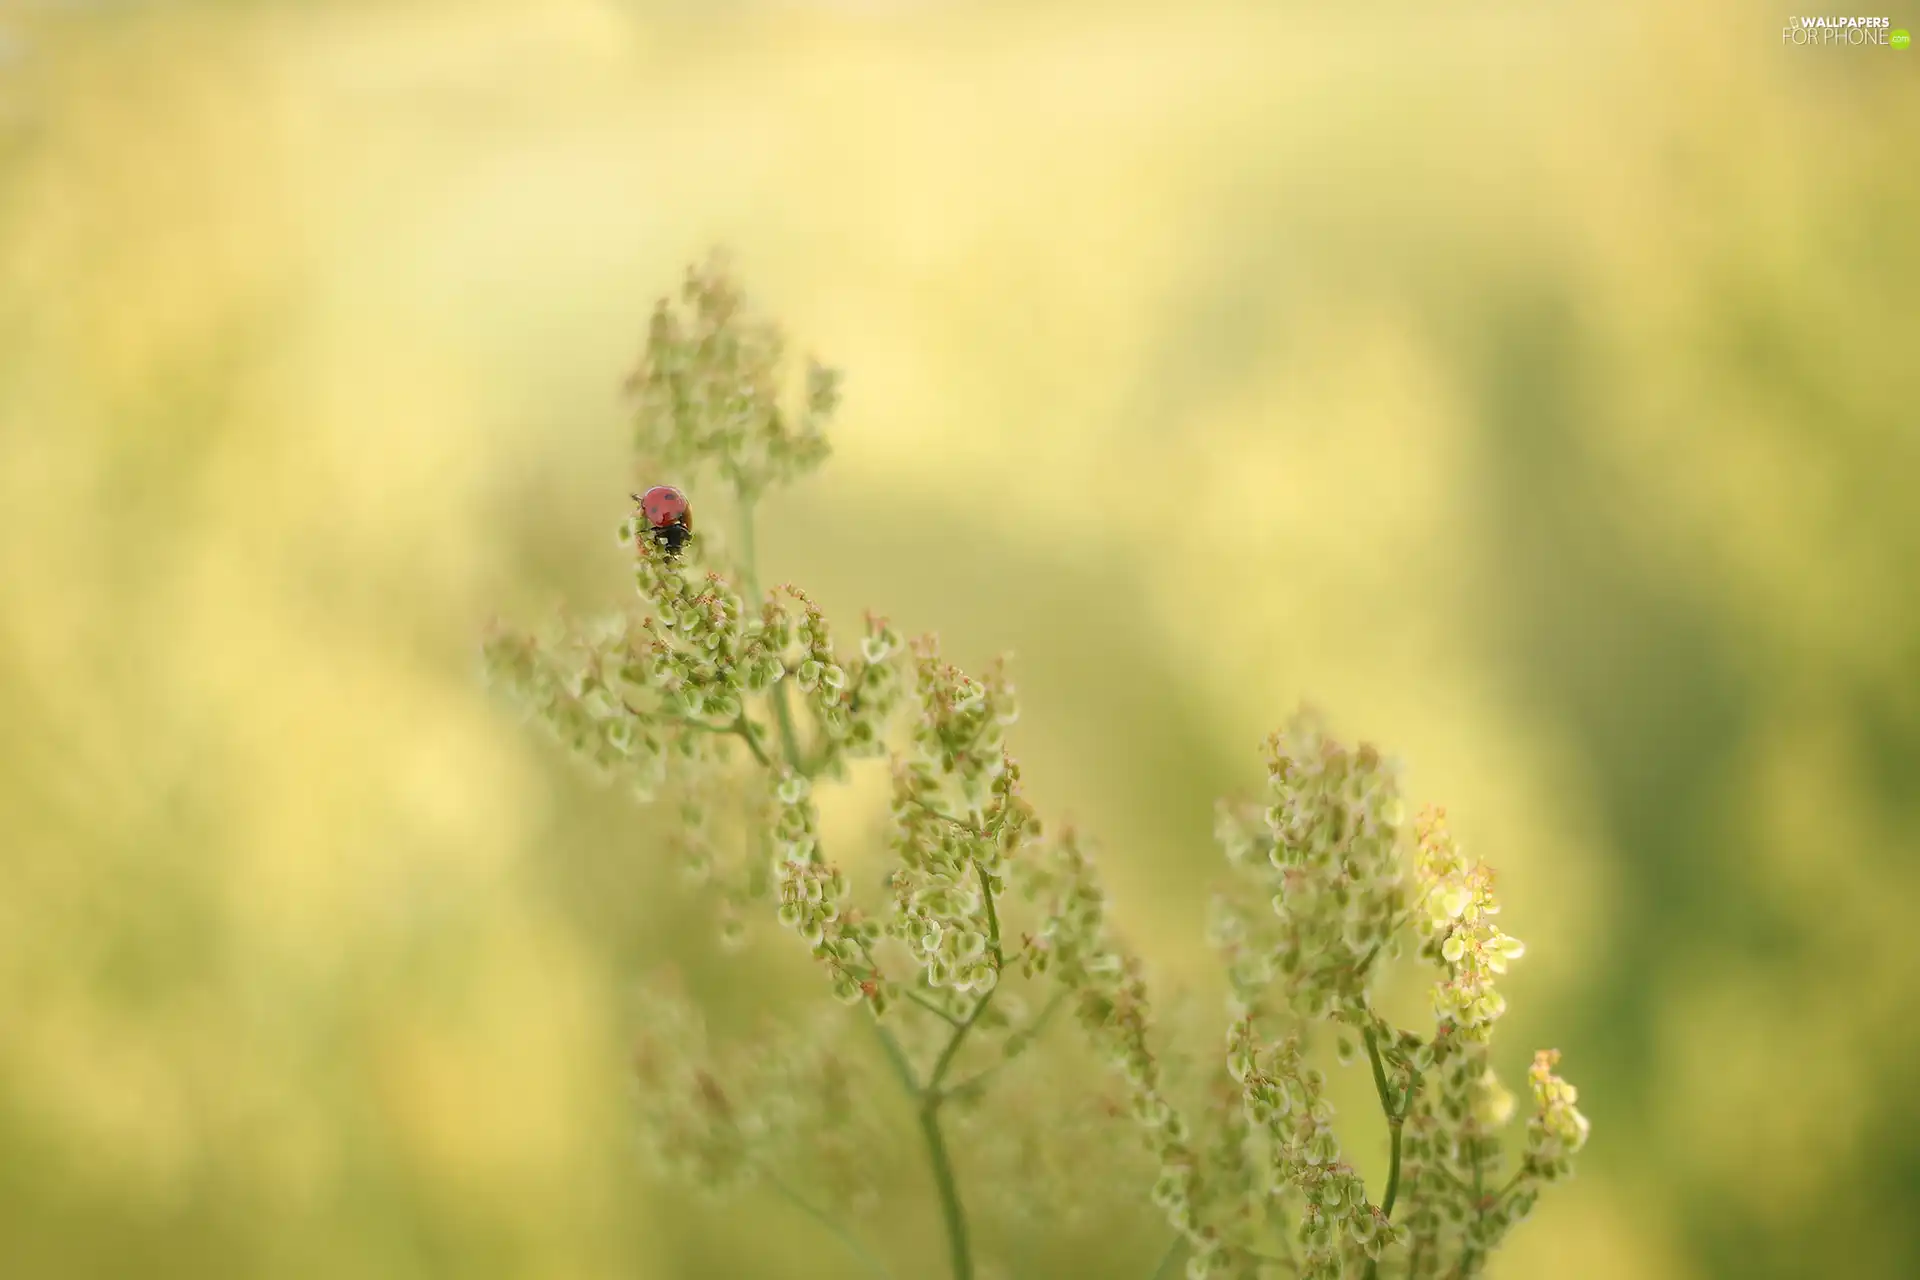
738,702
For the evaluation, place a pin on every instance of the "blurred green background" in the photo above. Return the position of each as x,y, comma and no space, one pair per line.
1529,386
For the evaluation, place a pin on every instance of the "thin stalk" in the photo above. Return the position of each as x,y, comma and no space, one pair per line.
952,1212
1028,1036
789,739
897,1059
960,1033
927,1096
1175,1247
750,578
931,1007
959,1037
959,1250
873,1265
1396,1119
744,730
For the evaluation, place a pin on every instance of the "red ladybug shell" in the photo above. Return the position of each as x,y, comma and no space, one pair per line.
665,506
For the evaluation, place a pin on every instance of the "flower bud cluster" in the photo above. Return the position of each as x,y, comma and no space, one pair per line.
1038,1136
786,1100
700,651
957,819
1450,1153
1235,1194
1455,924
1109,991
1556,1131
1333,864
816,900
1285,1098
1457,1203
564,683
696,1128
708,390
1241,923
851,700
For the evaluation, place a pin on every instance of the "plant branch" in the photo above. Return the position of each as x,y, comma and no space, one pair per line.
959,1250
944,816
952,1212
743,728
897,1059
840,1233
993,923
928,1096
960,1033
1028,1036
1396,1119
959,1038
749,574
789,739
931,1007
1175,1247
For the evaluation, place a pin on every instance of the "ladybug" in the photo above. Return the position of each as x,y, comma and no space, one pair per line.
669,515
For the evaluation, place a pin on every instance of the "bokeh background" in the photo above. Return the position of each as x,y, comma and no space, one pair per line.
1531,387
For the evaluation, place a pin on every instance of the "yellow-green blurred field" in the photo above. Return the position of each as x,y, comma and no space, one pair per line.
1532,387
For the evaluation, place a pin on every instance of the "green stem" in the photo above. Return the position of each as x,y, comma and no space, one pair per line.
1024,1038
744,730
931,1096
928,1096
749,565
789,740
959,1038
960,1033
1396,1117
1174,1249
897,1059
993,923
931,1007
840,1233
959,1251
749,575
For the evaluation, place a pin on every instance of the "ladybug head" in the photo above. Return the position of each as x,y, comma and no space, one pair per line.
672,537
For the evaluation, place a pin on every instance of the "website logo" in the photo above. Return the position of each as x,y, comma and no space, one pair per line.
1836,32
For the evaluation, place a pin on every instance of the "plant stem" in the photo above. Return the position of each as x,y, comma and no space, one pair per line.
931,1007
951,1210
1027,1036
897,1059
789,740
993,923
928,1096
749,574
952,1051
1171,1256
744,730
1396,1118
960,1032
840,1233
959,1251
